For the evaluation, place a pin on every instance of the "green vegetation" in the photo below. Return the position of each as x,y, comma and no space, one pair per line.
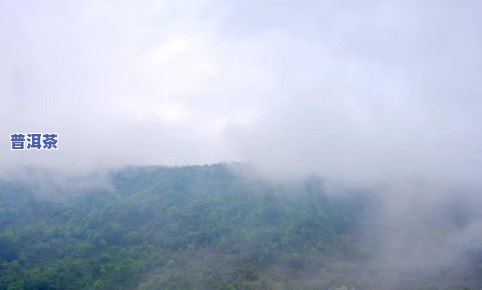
197,227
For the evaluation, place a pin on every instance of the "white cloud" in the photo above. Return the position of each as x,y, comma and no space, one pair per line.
351,91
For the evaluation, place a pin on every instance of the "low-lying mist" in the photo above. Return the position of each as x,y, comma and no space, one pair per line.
389,237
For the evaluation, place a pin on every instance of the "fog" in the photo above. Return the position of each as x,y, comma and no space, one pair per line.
380,95
364,92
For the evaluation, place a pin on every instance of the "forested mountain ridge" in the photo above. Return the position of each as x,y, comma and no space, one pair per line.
194,227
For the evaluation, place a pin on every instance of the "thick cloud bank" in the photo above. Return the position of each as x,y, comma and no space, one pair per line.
383,89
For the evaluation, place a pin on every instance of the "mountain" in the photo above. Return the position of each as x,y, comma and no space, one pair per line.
193,227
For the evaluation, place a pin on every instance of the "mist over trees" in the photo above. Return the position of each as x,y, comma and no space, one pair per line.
197,227
356,125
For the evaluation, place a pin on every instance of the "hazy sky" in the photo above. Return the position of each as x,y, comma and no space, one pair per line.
357,90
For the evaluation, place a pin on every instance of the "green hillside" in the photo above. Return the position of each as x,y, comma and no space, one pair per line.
196,227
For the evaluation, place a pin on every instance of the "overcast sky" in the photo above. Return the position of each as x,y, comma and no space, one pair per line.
356,90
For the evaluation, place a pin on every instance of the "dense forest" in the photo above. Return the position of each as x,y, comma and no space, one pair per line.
194,227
